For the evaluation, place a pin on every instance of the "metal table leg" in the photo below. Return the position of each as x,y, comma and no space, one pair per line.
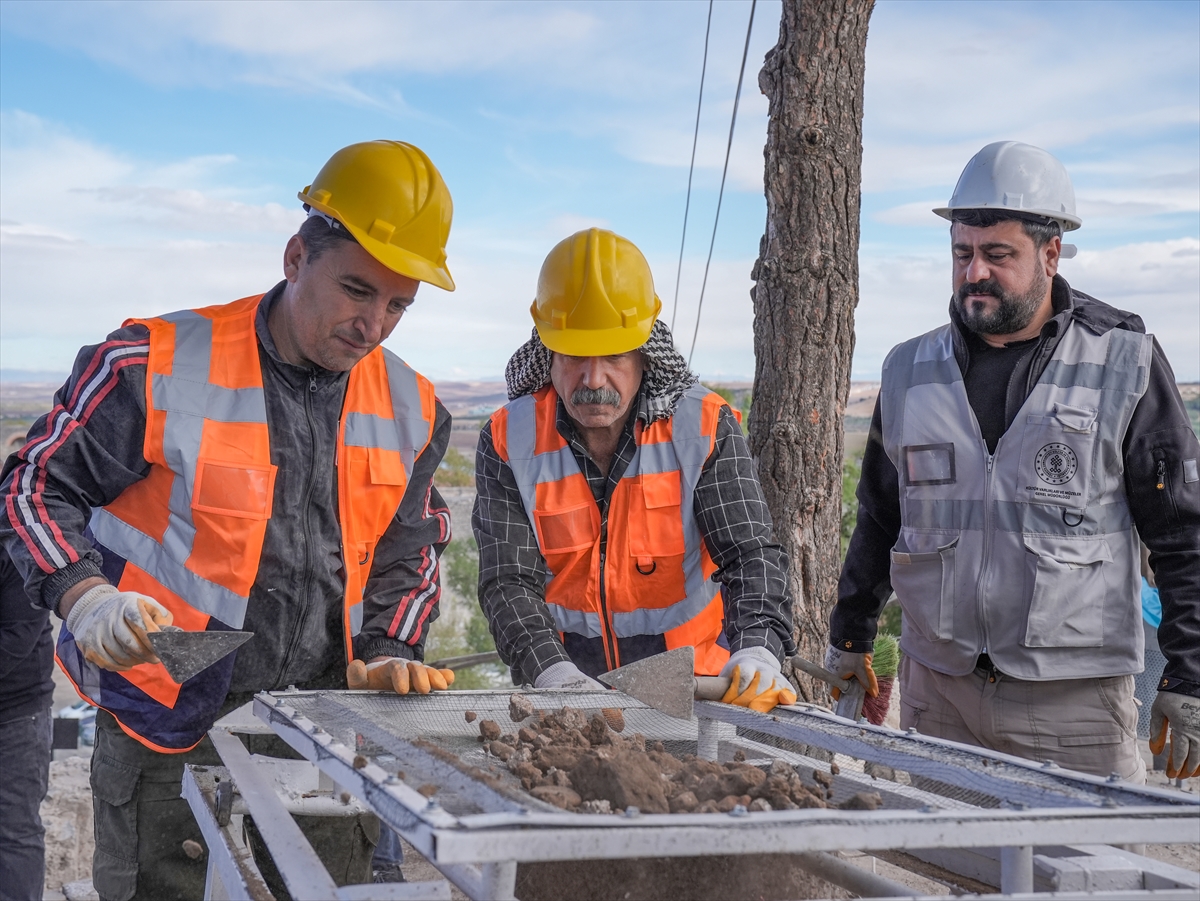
1016,869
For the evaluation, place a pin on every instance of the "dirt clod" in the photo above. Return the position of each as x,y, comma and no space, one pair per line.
193,849
427,790
625,777
490,730
557,795
501,750
834,769
862,801
359,761
684,802
470,716
519,707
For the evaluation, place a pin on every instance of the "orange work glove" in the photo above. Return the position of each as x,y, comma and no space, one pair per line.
845,664
756,681
398,675
1182,714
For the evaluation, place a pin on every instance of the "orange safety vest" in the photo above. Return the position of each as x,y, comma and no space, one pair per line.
653,574
190,534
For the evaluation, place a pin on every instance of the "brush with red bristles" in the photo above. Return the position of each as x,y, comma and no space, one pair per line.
886,662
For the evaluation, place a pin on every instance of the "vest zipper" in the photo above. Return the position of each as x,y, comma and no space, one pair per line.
984,571
306,583
1162,474
606,636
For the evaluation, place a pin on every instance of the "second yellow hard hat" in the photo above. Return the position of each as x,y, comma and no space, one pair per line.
392,199
595,296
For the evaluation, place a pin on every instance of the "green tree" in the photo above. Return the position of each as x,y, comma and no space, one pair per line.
460,574
455,471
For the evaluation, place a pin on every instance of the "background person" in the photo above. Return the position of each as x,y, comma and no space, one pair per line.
26,729
1016,454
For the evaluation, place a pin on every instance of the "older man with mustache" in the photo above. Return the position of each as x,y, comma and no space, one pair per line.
618,513
1016,456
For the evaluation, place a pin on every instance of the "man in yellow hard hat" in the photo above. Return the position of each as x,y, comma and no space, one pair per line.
263,465
618,513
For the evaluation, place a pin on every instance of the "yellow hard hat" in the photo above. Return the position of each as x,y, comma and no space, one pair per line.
595,296
392,199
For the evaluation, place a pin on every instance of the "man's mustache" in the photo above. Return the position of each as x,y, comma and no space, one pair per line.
588,397
987,286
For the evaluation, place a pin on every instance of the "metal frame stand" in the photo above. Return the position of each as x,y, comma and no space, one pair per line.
1047,809
217,795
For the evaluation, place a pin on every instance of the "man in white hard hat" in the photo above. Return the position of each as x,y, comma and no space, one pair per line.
1016,455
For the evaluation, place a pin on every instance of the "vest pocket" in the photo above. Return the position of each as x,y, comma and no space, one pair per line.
1067,607
243,490
573,529
1056,457
656,524
925,585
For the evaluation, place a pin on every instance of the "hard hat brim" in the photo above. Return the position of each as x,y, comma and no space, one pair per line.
595,342
394,258
1069,222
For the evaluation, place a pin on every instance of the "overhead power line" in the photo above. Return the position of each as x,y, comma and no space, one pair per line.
720,195
692,166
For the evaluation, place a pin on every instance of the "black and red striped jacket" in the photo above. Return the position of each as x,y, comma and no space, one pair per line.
88,450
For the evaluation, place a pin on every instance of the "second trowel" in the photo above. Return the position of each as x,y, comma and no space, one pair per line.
667,683
187,654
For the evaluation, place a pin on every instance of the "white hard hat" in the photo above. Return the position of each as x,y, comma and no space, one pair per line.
1009,175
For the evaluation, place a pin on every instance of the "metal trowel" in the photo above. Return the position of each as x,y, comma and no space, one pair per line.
186,654
667,683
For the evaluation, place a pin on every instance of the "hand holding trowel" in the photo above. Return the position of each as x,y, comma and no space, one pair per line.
667,683
118,630
187,654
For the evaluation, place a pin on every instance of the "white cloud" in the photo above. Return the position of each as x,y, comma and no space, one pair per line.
56,183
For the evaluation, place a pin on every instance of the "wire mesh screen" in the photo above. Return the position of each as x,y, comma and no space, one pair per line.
433,742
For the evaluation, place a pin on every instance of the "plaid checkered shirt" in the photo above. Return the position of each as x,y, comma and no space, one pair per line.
730,512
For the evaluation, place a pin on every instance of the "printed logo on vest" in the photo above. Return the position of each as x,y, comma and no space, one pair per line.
1056,464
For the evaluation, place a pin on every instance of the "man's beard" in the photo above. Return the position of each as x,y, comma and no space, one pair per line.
589,397
1012,313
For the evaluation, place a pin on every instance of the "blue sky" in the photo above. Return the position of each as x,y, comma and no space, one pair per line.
150,154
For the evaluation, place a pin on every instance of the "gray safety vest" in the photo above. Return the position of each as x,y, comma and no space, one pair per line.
1029,553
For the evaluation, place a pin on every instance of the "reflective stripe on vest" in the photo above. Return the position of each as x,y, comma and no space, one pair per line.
662,475
190,534
1030,552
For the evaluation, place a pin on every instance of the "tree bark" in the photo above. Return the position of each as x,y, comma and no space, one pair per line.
806,289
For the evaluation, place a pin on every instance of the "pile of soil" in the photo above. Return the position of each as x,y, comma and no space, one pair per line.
584,764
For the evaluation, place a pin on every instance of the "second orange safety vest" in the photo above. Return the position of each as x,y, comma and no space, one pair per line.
651,574
190,534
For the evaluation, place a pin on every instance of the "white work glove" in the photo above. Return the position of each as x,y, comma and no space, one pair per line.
757,680
845,664
567,676
398,675
110,627
1182,713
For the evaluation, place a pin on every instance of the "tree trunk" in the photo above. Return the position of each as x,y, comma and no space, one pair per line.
805,294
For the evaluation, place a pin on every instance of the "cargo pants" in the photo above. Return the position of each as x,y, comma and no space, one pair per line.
1088,725
141,823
